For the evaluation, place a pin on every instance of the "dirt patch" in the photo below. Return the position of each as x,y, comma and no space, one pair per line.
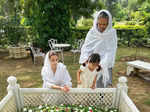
132,58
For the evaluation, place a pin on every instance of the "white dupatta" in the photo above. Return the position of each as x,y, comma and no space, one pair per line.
61,77
104,43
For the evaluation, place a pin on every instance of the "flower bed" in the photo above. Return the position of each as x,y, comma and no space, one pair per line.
67,108
104,98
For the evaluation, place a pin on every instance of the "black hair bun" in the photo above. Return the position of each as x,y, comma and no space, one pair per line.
99,68
84,64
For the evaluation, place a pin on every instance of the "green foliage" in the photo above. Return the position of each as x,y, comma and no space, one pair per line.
120,13
81,29
124,3
145,15
84,23
142,16
130,26
111,5
132,5
147,102
84,8
11,33
138,16
3,40
145,7
78,34
49,19
88,22
131,35
54,19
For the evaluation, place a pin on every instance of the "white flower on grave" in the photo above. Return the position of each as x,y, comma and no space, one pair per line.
41,110
25,109
111,111
52,111
47,107
80,105
115,110
30,110
90,108
40,107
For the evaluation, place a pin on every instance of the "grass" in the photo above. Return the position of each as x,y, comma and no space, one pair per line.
147,102
29,75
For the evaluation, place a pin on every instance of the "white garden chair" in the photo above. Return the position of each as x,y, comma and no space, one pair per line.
51,44
77,47
37,53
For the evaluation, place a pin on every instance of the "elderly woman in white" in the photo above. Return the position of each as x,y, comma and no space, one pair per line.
54,74
102,39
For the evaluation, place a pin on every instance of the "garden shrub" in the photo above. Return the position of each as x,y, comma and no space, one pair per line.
50,19
131,35
3,40
127,27
78,34
11,33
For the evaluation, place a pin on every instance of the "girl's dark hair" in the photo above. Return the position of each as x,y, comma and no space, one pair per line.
99,68
103,15
94,58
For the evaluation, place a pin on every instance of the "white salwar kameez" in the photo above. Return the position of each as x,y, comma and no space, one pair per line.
60,78
104,43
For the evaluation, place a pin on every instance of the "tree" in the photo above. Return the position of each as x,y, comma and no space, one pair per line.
111,6
10,21
49,19
84,8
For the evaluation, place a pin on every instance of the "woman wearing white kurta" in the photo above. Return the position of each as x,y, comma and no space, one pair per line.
102,39
54,74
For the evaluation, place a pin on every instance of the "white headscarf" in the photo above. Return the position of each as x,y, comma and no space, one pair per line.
46,72
104,43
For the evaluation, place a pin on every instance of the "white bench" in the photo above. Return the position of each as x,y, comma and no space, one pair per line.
137,64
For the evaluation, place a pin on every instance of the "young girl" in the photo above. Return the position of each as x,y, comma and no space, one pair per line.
55,74
87,74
